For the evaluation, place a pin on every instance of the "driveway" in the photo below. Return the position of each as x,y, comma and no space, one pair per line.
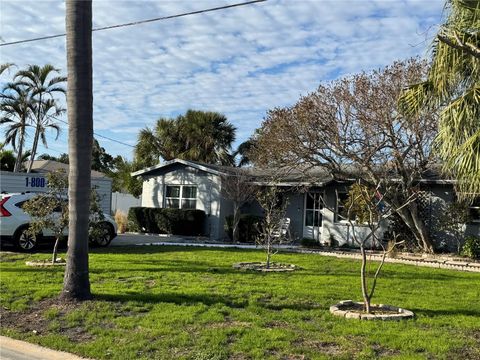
129,239
140,239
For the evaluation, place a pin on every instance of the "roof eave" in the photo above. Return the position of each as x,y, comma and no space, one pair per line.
180,161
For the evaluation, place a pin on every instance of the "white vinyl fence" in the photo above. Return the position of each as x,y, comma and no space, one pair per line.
124,202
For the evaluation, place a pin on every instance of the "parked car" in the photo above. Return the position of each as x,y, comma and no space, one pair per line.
14,223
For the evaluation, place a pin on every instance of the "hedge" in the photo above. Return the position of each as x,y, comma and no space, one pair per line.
167,221
248,227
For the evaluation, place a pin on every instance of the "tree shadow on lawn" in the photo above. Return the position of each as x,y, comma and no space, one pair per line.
424,274
195,267
174,298
446,312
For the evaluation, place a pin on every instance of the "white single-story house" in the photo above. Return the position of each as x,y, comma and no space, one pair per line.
35,181
313,211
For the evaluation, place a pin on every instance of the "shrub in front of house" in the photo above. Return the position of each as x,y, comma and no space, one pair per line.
167,221
310,243
248,227
471,247
135,219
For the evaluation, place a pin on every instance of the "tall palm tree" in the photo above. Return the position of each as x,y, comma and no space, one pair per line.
453,87
76,284
42,83
197,135
16,109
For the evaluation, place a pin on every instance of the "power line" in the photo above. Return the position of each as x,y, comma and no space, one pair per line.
117,141
99,135
140,21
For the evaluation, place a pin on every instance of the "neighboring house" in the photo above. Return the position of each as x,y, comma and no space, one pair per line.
16,182
313,207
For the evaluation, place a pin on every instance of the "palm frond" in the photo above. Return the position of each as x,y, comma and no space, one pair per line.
5,66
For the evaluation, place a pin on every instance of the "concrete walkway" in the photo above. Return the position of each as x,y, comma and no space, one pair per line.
11,349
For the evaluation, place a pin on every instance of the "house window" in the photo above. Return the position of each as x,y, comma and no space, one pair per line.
181,197
474,210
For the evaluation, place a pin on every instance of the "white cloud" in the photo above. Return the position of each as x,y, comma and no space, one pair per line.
241,61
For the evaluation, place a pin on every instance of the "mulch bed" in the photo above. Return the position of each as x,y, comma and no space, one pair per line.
34,321
262,267
46,263
355,310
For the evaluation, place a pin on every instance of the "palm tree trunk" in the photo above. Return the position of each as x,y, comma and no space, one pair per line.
76,283
34,146
18,161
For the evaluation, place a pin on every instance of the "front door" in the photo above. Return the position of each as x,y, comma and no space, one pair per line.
312,228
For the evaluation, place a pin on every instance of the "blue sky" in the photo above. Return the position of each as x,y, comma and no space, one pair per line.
240,62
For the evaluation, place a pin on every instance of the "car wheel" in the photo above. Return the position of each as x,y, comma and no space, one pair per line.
105,235
25,241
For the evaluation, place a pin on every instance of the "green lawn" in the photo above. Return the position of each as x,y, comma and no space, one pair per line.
188,303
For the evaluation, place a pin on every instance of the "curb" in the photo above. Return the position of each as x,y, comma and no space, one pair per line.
17,349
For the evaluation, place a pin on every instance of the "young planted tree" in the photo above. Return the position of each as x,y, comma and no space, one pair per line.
365,206
274,227
238,187
49,210
352,128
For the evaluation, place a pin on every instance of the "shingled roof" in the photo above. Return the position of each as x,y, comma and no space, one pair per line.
47,166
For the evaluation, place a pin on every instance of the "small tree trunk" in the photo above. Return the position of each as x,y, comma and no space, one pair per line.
236,220
55,250
363,279
269,254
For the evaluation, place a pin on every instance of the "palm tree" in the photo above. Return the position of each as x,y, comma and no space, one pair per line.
197,135
42,84
16,110
244,151
453,87
4,67
76,284
49,110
